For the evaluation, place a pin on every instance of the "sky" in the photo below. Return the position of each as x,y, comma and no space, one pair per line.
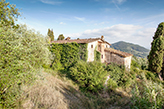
133,21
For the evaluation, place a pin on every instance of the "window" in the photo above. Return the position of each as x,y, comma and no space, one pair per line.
102,56
99,48
106,46
91,46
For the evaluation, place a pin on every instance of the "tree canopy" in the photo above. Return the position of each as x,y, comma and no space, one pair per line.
155,57
22,54
8,13
51,34
61,37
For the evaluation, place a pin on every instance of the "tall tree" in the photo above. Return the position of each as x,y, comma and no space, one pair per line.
8,14
156,54
61,37
51,34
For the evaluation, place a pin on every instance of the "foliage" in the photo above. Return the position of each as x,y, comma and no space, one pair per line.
68,54
61,37
141,63
90,76
97,55
51,34
8,14
147,95
56,49
112,84
150,76
159,31
83,52
22,51
156,55
119,75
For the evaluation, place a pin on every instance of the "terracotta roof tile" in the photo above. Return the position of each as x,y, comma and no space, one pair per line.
79,41
121,53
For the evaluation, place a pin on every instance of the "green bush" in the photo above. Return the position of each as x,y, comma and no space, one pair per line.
119,74
112,85
147,95
139,63
150,76
22,52
90,76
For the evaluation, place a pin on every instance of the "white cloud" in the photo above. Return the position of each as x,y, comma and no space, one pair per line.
118,1
62,23
112,1
80,18
52,2
121,32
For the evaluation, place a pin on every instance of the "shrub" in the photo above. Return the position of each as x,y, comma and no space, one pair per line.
140,63
22,51
90,76
112,85
147,95
150,76
119,74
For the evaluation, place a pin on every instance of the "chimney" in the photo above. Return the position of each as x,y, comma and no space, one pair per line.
68,38
102,37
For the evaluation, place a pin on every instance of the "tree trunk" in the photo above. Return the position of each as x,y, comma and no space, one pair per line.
159,75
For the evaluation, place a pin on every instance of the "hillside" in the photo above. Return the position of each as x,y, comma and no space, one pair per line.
134,49
54,91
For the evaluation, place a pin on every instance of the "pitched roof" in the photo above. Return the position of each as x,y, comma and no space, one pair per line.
79,41
118,52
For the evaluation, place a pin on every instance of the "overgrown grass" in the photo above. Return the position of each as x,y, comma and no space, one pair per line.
147,94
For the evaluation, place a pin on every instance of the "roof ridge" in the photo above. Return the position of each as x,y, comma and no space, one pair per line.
79,40
124,54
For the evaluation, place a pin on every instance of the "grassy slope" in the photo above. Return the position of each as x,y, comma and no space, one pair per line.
54,91
134,49
51,92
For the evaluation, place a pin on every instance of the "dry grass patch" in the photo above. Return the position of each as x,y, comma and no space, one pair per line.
49,92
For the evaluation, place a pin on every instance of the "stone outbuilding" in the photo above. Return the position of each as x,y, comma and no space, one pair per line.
108,55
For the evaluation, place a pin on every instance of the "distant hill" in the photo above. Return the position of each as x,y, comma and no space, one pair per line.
134,49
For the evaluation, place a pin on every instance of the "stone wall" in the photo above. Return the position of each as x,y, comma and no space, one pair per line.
114,58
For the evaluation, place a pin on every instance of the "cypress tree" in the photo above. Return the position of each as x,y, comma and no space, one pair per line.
51,34
156,54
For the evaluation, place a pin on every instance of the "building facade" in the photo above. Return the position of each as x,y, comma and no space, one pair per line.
108,55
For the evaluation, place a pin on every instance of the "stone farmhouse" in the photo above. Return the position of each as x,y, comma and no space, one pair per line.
108,55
